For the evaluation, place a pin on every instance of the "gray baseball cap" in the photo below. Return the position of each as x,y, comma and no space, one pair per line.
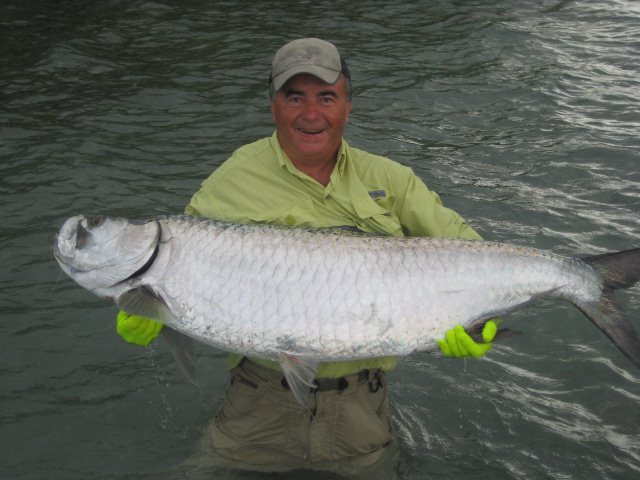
306,55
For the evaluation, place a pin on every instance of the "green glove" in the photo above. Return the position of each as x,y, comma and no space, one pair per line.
457,343
136,329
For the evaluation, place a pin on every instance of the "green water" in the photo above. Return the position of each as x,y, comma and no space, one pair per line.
524,116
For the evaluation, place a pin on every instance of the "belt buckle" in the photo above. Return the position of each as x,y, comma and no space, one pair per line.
329,384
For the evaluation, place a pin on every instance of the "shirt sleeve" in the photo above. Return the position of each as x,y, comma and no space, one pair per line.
422,214
203,203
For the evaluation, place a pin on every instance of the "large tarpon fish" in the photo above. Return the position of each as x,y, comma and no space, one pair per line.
301,296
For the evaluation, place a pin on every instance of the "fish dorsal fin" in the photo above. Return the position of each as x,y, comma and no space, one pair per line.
144,301
181,347
300,374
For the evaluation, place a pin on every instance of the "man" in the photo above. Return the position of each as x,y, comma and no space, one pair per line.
307,175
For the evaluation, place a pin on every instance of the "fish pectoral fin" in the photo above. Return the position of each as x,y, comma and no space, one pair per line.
181,347
300,374
146,302
475,332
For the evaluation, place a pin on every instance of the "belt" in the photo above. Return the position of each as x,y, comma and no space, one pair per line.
339,384
375,378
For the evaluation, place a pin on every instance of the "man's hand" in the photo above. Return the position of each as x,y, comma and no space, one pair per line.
136,329
457,343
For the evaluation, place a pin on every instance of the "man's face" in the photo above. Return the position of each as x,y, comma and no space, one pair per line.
310,117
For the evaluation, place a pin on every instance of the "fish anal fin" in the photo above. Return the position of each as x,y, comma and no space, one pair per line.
300,374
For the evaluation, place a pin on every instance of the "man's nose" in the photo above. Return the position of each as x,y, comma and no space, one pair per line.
310,110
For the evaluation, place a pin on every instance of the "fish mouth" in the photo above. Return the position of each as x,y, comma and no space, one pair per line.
72,236
65,242
65,239
65,262
53,242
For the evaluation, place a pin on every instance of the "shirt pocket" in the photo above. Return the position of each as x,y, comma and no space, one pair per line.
387,202
374,217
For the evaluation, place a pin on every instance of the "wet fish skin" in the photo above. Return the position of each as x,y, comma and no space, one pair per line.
301,296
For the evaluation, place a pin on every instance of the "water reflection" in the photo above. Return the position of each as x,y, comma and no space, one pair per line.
522,116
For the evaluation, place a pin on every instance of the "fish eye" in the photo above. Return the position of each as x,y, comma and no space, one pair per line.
95,221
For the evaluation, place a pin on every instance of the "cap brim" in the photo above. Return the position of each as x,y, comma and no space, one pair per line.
324,74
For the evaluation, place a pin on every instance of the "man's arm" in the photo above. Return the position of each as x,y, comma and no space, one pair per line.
422,213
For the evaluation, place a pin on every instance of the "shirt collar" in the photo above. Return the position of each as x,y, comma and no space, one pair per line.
285,161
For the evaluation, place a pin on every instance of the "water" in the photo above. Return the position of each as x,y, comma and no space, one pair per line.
524,116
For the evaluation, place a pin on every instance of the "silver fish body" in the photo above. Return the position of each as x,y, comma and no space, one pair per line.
319,295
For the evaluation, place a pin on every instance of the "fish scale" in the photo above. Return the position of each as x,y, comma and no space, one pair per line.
302,296
259,298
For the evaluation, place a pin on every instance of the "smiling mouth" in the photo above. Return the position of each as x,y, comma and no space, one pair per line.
310,132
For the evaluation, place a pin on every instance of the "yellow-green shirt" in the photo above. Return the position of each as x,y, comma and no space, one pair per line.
259,183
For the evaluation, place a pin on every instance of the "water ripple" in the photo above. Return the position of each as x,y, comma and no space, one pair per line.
522,115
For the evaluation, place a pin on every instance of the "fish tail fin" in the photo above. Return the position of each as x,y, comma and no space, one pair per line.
618,271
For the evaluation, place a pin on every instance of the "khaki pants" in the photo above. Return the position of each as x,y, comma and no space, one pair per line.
260,425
